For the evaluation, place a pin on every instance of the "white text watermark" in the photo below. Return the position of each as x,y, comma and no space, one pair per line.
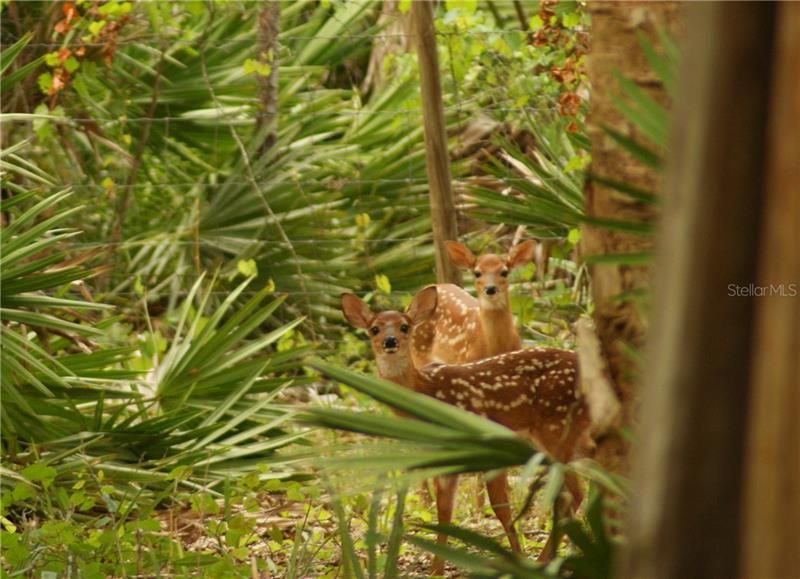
750,290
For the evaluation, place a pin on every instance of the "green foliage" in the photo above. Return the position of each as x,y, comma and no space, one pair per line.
145,351
448,440
82,432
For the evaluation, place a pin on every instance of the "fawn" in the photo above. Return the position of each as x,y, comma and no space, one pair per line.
533,392
465,329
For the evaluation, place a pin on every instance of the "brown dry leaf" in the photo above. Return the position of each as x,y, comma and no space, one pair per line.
569,104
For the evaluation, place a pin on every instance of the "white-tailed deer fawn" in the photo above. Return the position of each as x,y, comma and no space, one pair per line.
533,392
465,329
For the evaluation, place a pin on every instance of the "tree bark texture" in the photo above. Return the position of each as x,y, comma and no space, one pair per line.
620,324
394,37
772,481
685,518
268,27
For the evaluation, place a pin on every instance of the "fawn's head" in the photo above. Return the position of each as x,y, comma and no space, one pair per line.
491,271
390,331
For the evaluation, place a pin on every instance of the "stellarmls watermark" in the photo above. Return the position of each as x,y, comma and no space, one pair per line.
782,290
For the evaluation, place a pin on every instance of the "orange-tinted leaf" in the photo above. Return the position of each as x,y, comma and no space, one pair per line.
62,27
57,85
569,104
69,11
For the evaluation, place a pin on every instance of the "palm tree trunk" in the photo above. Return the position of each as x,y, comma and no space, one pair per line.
620,325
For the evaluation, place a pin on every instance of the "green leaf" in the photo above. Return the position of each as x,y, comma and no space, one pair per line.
51,59
637,151
71,64
574,236
535,22
96,27
640,258
571,19
362,220
40,472
631,191
252,66
247,267
383,284
9,55
467,6
45,82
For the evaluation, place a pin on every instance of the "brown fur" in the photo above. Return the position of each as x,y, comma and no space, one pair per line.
533,392
463,328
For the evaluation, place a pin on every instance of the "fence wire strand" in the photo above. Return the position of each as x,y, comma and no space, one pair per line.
225,119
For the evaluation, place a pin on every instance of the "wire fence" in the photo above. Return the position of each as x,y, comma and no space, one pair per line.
199,138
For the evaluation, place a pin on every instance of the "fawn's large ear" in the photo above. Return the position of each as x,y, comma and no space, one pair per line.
423,305
356,311
460,254
521,253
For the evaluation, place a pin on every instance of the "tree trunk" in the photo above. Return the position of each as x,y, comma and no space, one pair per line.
268,26
771,499
395,36
620,325
686,516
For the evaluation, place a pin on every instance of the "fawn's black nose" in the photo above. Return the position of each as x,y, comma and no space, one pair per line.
491,290
390,342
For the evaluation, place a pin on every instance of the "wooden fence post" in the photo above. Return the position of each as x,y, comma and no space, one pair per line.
437,160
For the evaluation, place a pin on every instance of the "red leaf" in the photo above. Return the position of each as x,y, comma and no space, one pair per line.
69,10
569,104
62,27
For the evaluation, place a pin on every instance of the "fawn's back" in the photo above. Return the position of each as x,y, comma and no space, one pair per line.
453,333
533,392
463,328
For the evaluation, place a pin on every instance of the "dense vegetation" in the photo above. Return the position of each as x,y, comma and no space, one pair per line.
165,277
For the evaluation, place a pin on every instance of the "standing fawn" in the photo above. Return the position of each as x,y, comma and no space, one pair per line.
465,329
532,392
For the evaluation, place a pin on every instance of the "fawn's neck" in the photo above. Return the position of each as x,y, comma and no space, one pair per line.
499,330
403,374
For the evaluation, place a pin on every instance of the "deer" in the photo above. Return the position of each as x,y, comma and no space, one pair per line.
463,328
534,392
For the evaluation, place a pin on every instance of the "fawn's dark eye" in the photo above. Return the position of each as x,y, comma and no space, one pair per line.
374,330
477,273
504,273
404,328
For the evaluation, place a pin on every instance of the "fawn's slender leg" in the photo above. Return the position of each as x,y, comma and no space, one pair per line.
425,493
445,498
501,504
574,488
